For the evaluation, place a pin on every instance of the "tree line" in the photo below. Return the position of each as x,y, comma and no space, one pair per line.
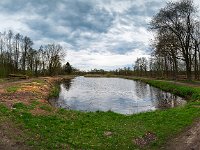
175,47
176,44
17,55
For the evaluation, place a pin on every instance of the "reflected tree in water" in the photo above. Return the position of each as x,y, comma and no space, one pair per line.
141,89
166,100
67,84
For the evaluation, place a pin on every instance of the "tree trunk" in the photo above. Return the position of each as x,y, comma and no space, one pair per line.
195,62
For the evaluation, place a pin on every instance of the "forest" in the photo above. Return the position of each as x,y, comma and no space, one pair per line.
17,56
176,46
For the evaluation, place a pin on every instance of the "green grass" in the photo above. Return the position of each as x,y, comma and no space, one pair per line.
55,91
86,130
2,80
45,107
62,129
12,89
38,81
191,93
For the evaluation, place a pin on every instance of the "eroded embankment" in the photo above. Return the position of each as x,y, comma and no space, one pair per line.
29,91
32,93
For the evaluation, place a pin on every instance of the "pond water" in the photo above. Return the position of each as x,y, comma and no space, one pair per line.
118,95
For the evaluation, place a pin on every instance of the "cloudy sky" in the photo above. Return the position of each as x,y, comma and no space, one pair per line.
105,34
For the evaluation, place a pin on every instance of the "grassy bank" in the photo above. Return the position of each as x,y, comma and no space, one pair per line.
188,92
191,93
55,86
65,129
54,92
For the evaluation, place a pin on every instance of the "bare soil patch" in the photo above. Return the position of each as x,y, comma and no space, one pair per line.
188,140
145,140
29,90
12,137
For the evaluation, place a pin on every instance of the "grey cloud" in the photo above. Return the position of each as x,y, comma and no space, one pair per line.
84,24
125,47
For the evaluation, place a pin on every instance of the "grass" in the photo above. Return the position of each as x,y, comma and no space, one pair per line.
55,91
188,92
191,93
45,107
38,81
2,80
12,89
74,129
64,129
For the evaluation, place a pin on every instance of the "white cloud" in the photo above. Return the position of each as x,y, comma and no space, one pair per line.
89,60
115,6
96,34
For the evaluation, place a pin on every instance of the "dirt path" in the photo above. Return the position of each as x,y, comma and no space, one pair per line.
11,136
194,84
14,82
8,135
188,140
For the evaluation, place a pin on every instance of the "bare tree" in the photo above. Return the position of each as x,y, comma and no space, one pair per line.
177,17
140,66
27,44
54,55
18,56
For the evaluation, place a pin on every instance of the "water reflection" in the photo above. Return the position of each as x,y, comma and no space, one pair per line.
115,94
67,84
167,100
141,89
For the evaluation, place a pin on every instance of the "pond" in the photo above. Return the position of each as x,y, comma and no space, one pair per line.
115,94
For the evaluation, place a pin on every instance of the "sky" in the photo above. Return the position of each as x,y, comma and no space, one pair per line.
102,34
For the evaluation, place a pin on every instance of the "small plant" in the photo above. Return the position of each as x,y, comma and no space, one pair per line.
38,81
23,107
45,107
19,106
2,80
35,103
12,89
55,91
